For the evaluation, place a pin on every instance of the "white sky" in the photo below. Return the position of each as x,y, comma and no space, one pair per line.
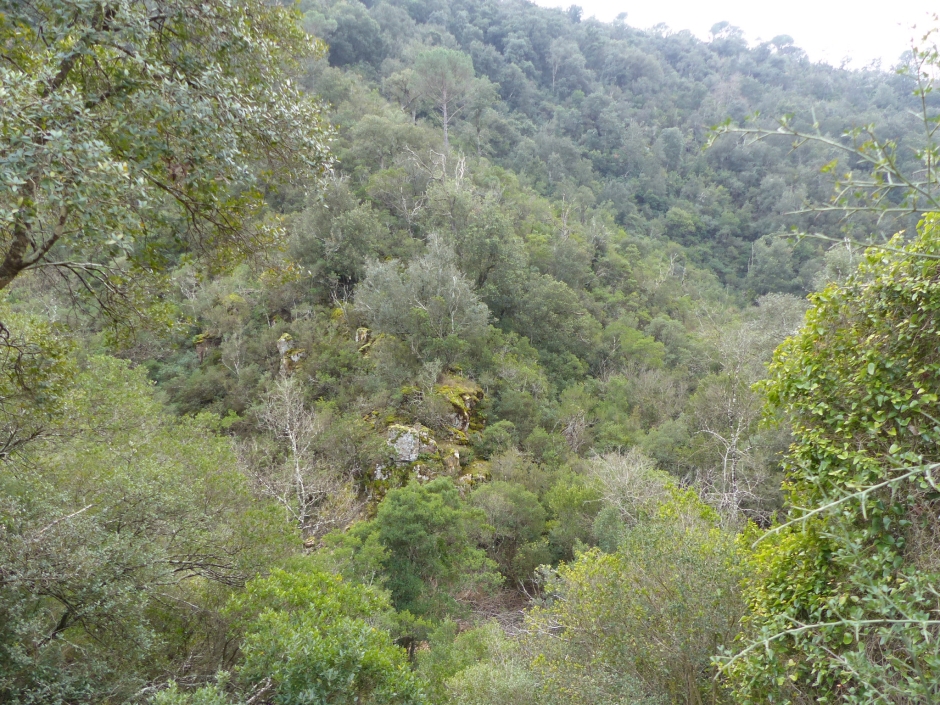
828,30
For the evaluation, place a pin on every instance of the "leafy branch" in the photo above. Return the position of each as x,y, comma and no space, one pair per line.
926,470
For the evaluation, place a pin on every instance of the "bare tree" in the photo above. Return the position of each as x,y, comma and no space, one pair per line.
735,458
291,467
630,483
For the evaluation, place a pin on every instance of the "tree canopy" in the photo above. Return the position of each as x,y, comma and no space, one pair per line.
133,132
421,352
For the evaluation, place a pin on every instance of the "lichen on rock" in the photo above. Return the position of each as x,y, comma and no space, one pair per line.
285,343
410,442
291,355
451,461
463,396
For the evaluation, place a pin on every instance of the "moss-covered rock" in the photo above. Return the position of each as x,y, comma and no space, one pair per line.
450,458
415,453
409,443
464,397
285,343
203,342
476,473
291,355
364,340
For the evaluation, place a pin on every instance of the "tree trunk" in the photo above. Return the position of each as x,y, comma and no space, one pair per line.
445,118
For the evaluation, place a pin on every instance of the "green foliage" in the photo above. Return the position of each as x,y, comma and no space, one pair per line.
333,239
132,131
449,653
496,438
207,695
443,77
555,321
430,305
885,180
842,595
647,617
317,639
573,502
517,522
772,267
110,523
570,275
354,36
36,372
309,637
429,539
636,624
627,345
493,671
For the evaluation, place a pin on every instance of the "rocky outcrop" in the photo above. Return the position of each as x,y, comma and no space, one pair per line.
291,355
464,396
451,461
475,474
203,343
414,452
410,442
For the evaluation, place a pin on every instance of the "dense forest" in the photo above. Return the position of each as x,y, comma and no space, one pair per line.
430,352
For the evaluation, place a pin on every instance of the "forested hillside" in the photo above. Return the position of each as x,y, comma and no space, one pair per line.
423,351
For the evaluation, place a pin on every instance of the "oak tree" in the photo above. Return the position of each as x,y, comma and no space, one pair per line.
134,130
